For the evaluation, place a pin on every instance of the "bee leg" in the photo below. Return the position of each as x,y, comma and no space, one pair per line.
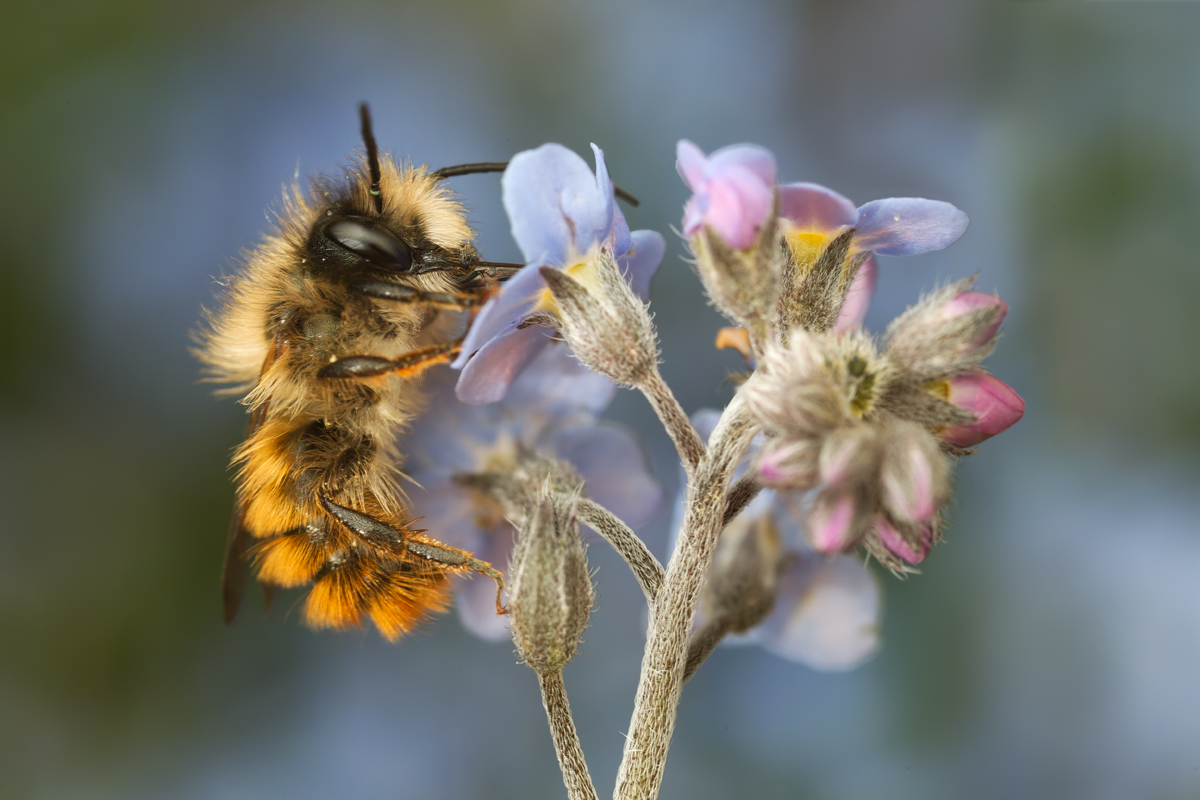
372,531
454,557
407,366
376,532
466,300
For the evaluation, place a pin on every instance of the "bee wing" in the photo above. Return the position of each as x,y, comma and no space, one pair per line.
239,540
233,573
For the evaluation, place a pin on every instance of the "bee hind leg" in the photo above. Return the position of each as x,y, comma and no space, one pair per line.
454,557
376,532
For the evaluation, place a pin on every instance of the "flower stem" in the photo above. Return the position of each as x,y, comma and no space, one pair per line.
740,495
703,642
641,561
566,740
665,659
679,427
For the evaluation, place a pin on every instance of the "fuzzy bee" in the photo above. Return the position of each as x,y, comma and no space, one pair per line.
326,329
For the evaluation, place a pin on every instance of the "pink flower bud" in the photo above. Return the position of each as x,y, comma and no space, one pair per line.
791,465
734,190
899,546
849,454
969,302
995,405
914,478
834,524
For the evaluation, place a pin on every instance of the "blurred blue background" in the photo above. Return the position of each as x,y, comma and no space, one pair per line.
1050,649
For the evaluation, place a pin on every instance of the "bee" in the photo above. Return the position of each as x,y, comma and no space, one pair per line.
326,329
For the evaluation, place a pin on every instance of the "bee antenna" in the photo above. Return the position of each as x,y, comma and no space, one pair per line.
500,166
368,135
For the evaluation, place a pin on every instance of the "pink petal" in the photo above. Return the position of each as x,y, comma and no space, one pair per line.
758,161
858,299
831,525
899,546
811,206
994,403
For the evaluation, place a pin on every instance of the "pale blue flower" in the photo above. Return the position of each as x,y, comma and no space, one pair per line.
897,226
552,407
562,216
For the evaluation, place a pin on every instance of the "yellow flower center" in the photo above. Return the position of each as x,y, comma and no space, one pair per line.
584,270
806,245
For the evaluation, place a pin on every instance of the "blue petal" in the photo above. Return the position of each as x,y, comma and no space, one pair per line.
620,240
616,229
541,188
811,206
613,465
639,266
557,385
476,594
826,614
446,511
449,436
487,376
704,421
515,301
904,226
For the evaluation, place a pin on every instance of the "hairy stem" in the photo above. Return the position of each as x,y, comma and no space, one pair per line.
679,427
645,566
703,642
665,659
740,494
566,740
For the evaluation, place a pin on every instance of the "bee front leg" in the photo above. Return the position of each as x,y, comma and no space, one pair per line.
407,366
466,300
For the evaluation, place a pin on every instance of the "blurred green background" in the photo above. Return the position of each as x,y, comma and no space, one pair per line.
1050,650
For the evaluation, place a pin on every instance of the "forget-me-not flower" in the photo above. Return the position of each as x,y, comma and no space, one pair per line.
551,408
562,217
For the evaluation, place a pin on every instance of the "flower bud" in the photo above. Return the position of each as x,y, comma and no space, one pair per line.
606,325
732,225
946,333
915,475
911,542
971,303
849,455
994,404
550,589
744,284
789,464
744,577
836,521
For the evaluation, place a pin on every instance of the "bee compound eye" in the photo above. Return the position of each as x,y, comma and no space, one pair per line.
372,241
